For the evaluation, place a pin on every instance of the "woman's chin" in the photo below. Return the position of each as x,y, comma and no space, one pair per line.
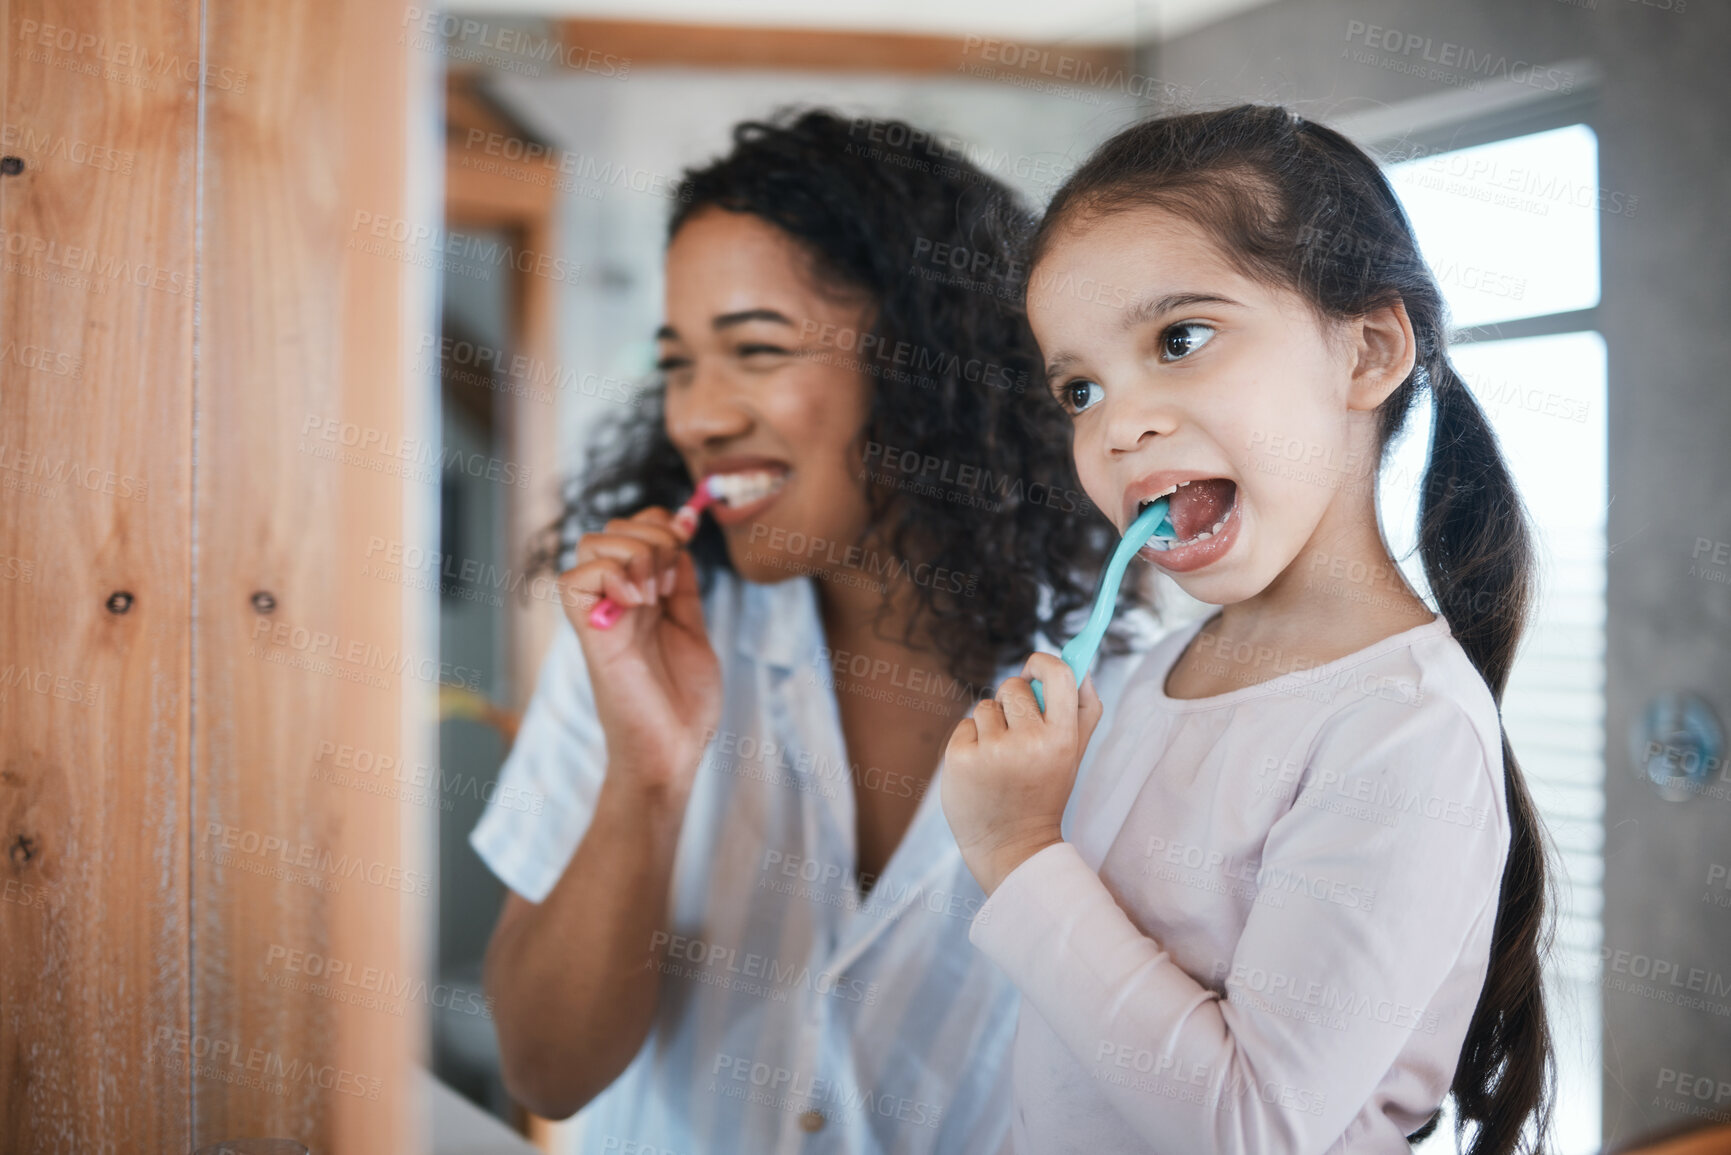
753,562
763,575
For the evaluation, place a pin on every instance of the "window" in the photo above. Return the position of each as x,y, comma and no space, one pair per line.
1511,229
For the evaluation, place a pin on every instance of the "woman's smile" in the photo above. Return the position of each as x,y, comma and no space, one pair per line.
746,489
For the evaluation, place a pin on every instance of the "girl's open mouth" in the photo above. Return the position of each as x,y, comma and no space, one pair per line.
1204,515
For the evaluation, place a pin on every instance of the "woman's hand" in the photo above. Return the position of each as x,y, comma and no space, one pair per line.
656,679
1009,769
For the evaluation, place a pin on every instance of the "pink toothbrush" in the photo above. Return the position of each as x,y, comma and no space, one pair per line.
607,611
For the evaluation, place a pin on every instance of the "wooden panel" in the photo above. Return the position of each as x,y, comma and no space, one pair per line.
96,334
586,44
302,885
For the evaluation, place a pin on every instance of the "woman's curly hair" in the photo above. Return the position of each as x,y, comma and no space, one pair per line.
894,216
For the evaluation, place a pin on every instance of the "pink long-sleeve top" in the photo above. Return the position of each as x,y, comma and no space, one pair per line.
1269,924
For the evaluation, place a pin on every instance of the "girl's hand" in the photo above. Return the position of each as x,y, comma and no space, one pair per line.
656,679
1009,769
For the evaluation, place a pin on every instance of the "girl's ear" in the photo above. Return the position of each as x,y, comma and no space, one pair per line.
1384,351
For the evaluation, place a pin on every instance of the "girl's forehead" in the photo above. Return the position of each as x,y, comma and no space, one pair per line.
1148,231
1097,269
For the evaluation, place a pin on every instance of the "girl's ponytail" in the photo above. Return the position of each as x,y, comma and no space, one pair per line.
1474,537
1476,547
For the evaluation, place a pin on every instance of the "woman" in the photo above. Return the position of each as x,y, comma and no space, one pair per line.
740,918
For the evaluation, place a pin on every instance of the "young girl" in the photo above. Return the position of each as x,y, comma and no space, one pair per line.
1301,896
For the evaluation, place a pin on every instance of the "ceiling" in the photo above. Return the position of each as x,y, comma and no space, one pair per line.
1075,21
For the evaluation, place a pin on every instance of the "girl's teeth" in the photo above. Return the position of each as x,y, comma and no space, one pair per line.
1161,545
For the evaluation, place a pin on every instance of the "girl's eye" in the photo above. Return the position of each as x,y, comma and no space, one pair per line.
1076,396
671,363
1183,339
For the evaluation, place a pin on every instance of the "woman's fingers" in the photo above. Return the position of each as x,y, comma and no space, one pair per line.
594,580
680,593
658,537
640,560
652,516
646,543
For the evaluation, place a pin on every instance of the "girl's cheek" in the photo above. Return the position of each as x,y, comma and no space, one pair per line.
1094,482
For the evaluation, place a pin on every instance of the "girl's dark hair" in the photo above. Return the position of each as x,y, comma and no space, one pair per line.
1297,205
897,218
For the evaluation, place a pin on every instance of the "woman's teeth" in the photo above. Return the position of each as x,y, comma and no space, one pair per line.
745,487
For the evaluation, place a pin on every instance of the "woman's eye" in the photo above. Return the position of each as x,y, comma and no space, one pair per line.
761,351
670,363
1078,395
1183,339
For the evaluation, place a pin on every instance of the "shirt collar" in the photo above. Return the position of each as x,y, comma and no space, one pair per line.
779,622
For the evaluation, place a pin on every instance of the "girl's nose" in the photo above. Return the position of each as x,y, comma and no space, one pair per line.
1133,421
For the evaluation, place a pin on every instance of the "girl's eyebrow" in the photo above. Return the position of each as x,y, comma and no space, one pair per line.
1151,307
1058,364
1140,313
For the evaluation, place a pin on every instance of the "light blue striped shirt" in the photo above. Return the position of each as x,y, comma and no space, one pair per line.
793,1015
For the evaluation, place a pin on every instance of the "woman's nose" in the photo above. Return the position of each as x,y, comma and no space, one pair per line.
711,406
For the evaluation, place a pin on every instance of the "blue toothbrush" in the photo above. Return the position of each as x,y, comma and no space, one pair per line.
1078,652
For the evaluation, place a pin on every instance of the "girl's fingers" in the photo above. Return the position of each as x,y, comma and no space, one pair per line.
989,718
1090,700
965,734
1056,682
1089,715
1016,698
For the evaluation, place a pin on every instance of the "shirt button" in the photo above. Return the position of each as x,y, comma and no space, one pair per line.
811,1121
